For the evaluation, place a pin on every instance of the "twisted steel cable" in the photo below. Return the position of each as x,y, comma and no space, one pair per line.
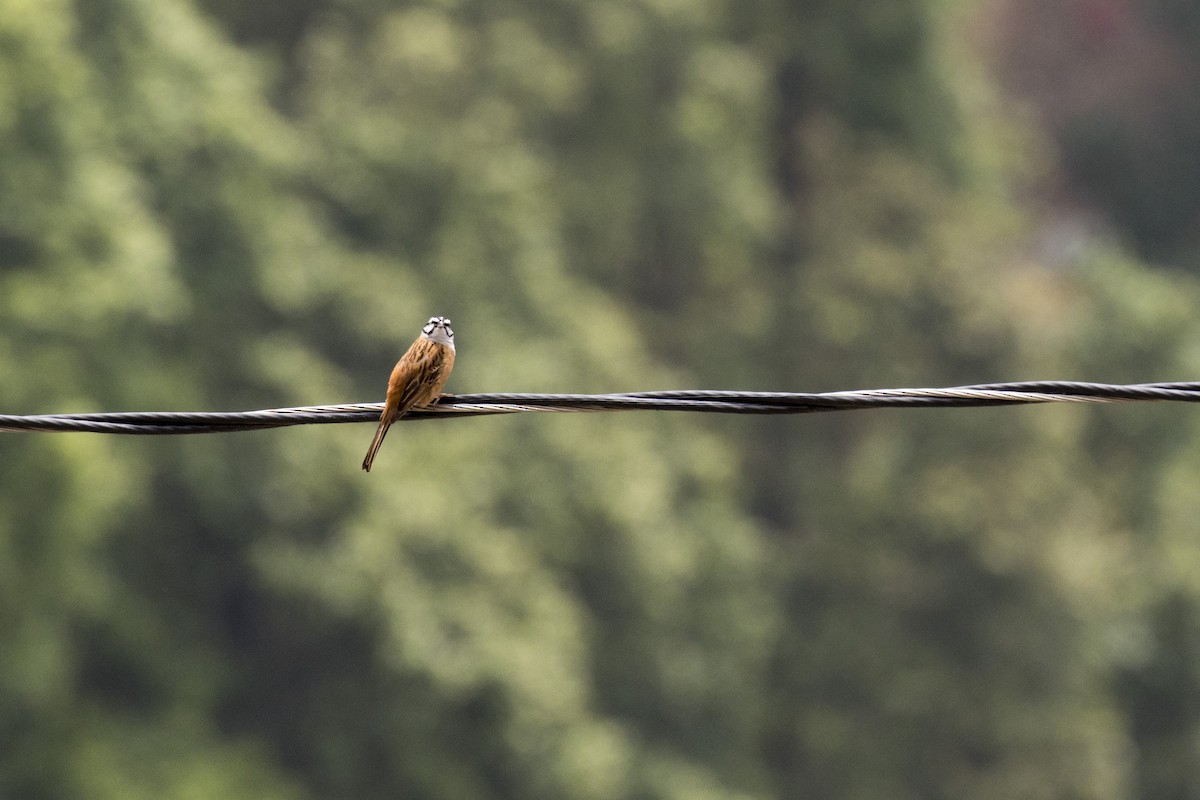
705,401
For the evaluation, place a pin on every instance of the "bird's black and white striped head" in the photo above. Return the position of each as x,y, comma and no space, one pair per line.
438,330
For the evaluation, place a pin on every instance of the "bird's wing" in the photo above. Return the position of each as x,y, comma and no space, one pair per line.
425,377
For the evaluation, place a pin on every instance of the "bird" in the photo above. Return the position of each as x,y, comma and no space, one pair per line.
417,379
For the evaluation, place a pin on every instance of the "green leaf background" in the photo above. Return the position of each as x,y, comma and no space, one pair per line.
215,205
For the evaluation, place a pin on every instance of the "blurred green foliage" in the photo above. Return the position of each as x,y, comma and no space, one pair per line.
218,205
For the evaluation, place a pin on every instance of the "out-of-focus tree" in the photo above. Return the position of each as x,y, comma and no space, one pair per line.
238,205
249,615
786,195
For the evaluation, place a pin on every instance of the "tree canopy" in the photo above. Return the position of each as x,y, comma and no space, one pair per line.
213,205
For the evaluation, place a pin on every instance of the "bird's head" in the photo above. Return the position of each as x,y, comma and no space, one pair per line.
438,330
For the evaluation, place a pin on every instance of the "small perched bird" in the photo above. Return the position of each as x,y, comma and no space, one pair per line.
417,379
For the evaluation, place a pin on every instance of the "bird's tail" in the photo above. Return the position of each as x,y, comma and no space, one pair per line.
380,432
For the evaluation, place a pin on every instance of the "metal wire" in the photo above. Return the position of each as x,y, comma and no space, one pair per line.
713,402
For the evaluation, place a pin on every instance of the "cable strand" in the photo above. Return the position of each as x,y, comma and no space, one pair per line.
701,401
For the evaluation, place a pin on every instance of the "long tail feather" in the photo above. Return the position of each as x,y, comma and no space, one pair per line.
380,432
